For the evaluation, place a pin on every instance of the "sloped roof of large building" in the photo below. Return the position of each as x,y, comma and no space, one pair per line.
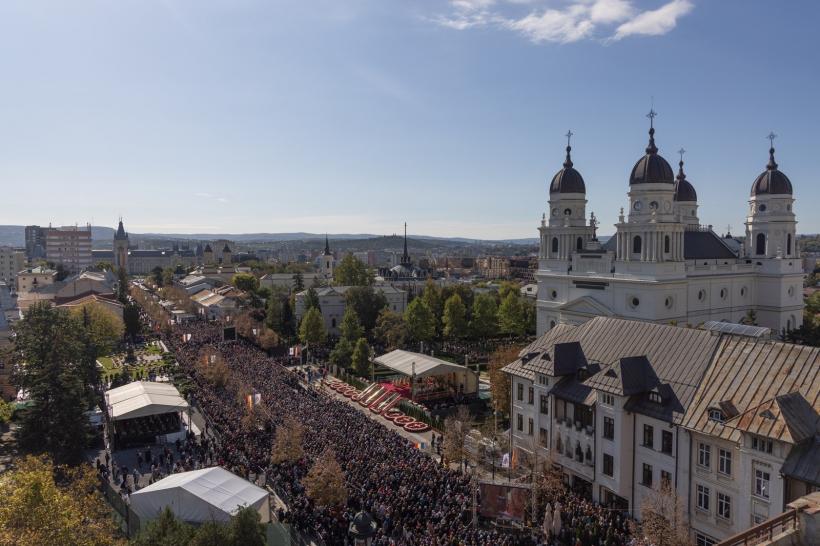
697,245
751,374
677,356
788,417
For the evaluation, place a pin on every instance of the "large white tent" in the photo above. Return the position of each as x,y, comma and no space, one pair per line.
408,364
199,496
143,398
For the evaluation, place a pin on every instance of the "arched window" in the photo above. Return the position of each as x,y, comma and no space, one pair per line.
789,244
760,244
636,245
666,244
555,245
579,244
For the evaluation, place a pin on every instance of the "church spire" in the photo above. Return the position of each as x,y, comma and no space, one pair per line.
405,257
568,160
327,246
651,149
772,165
681,174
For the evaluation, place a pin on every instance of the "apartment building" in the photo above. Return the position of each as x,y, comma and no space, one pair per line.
623,406
12,261
69,246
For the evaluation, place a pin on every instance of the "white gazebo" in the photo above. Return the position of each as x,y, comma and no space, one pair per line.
199,496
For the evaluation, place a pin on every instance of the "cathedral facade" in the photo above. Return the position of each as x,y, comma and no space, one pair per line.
661,265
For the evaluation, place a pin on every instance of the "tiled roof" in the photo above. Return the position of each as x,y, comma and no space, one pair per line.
749,373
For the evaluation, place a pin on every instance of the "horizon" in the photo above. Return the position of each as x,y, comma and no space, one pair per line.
244,117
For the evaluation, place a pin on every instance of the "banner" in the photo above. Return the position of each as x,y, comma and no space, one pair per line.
253,400
505,461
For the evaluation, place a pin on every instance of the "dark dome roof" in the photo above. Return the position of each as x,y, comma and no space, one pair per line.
772,181
684,190
651,168
568,180
362,525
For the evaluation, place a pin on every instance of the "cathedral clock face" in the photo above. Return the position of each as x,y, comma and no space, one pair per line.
637,205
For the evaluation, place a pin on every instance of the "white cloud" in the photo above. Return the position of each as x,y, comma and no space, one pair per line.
655,22
563,26
576,20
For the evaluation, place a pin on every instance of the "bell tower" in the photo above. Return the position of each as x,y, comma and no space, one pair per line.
120,257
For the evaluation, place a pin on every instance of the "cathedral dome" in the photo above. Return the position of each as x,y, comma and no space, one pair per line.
651,168
772,181
684,190
567,180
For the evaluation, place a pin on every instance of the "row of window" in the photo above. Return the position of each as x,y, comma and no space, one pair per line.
649,439
647,474
704,499
724,459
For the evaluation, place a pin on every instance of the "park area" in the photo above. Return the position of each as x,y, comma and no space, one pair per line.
137,363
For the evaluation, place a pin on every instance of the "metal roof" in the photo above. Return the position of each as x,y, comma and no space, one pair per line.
801,464
748,373
425,365
736,329
788,417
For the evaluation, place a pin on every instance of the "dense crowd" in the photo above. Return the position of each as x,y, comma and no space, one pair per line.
584,523
414,500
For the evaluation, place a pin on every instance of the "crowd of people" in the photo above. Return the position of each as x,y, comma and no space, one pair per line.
584,523
414,500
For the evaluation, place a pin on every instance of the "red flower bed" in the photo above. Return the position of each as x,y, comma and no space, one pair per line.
403,420
392,414
416,426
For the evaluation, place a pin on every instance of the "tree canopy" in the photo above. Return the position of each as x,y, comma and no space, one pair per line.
390,329
420,321
312,328
350,328
367,303
312,299
454,317
104,327
352,272
485,316
360,359
245,282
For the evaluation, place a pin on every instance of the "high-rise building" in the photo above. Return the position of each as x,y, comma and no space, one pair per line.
69,246
35,242
12,261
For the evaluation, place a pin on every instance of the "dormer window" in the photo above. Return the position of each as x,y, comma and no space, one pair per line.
716,415
655,397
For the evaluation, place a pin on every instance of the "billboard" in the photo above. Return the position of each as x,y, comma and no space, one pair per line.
502,500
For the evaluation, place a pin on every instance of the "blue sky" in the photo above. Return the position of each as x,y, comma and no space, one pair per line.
357,115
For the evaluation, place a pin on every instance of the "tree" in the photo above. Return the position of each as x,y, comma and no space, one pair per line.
421,324
342,353
662,521
104,328
168,276
211,533
268,339
352,272
212,367
50,343
325,482
455,432
390,329
312,299
350,328
277,314
245,282
499,380
360,359
37,510
166,530
122,285
246,529
454,317
156,275
431,296
104,266
288,442
6,411
298,282
367,303
312,328
485,316
507,288
512,315
131,320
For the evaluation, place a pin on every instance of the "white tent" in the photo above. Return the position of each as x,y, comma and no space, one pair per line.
199,496
407,363
143,398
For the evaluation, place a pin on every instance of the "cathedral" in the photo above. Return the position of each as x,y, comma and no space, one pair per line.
662,265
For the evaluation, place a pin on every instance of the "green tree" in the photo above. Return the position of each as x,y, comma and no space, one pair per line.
122,286
312,299
245,282
361,358
507,288
350,328
342,353
288,444
352,272
485,316
156,275
168,276
390,329
166,530
246,529
131,320
325,482
211,533
103,326
420,322
312,329
298,282
6,411
49,341
512,315
454,317
431,296
367,303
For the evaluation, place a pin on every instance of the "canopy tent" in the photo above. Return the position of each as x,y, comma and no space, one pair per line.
408,364
199,496
143,398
